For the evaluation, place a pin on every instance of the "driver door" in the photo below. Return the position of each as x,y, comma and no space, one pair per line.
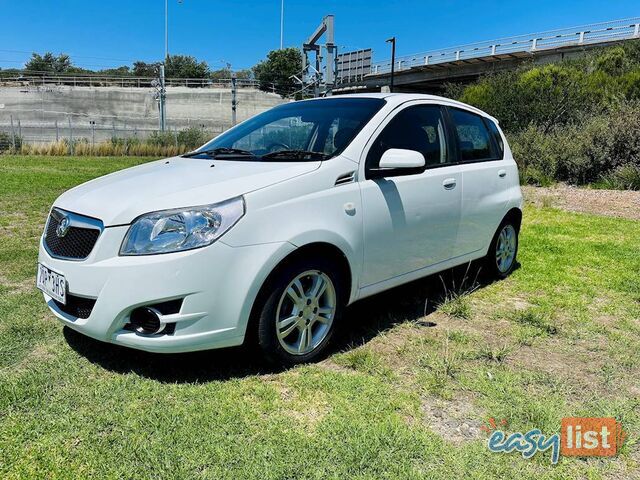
410,218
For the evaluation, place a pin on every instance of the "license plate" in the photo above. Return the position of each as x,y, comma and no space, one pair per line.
52,283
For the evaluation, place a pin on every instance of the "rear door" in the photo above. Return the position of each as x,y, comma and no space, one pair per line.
485,174
410,218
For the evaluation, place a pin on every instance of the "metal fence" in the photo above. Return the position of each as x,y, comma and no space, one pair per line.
596,33
75,129
89,80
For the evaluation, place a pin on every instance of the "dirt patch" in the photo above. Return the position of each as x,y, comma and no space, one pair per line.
583,365
610,203
454,420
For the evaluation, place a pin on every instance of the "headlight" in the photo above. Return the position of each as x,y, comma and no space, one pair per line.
181,229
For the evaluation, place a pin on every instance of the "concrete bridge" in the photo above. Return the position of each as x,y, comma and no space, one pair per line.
428,71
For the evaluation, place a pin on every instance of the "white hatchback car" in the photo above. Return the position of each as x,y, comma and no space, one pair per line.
268,231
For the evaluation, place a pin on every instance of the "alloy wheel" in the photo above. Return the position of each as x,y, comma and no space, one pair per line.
506,248
305,312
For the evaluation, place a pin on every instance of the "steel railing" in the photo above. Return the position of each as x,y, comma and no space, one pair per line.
75,80
604,32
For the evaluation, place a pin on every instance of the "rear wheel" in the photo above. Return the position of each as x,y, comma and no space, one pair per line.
301,306
501,258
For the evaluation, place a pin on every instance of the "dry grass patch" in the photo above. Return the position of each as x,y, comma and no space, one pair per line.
611,203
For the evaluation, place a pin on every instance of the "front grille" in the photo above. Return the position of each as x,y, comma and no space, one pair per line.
77,306
77,243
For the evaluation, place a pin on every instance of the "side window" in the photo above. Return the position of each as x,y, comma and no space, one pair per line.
497,137
474,141
419,128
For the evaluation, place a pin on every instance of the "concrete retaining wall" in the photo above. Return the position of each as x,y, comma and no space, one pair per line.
122,112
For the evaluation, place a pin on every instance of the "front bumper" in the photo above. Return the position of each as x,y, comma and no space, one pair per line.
218,285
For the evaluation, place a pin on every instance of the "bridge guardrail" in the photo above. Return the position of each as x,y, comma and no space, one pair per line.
574,36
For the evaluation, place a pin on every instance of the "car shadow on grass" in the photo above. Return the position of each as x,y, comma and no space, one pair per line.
412,302
362,321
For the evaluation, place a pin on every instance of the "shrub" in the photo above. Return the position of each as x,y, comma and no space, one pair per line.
190,138
162,139
625,177
158,144
583,152
557,94
193,137
7,142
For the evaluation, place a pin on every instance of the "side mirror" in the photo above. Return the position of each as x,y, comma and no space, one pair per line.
400,158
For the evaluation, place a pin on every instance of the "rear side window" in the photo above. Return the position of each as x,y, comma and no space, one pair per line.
496,136
420,128
474,140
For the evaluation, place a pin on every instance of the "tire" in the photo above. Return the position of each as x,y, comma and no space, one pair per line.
503,251
295,326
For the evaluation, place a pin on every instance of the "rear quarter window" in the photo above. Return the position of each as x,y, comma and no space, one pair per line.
495,132
474,140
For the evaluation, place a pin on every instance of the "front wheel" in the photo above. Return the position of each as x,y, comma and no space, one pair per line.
501,258
302,304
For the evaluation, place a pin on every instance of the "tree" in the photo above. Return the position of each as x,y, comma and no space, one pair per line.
276,70
245,74
123,71
221,74
49,63
143,69
225,74
184,66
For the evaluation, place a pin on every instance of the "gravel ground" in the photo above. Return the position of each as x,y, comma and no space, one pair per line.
611,203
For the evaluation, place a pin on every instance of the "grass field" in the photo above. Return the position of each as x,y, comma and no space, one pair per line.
403,395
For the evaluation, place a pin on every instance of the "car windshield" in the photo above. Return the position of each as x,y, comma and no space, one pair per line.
307,130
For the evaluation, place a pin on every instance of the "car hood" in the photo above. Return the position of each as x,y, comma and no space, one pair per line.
120,197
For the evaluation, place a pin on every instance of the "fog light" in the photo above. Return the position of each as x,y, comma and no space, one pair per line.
146,320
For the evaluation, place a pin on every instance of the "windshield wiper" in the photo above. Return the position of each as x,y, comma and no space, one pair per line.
295,155
221,152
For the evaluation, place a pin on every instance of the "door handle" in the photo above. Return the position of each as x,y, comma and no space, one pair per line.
449,183
502,173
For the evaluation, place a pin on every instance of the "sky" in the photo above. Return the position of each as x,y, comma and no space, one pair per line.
102,34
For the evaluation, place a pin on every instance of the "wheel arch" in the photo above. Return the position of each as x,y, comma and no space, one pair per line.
514,214
322,249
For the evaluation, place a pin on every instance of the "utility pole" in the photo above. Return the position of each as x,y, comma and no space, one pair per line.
392,41
70,136
13,134
281,23
161,95
234,97
327,29
166,30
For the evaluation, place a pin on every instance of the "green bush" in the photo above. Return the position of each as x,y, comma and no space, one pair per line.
625,177
546,96
6,142
557,94
125,142
162,139
574,121
583,152
193,137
